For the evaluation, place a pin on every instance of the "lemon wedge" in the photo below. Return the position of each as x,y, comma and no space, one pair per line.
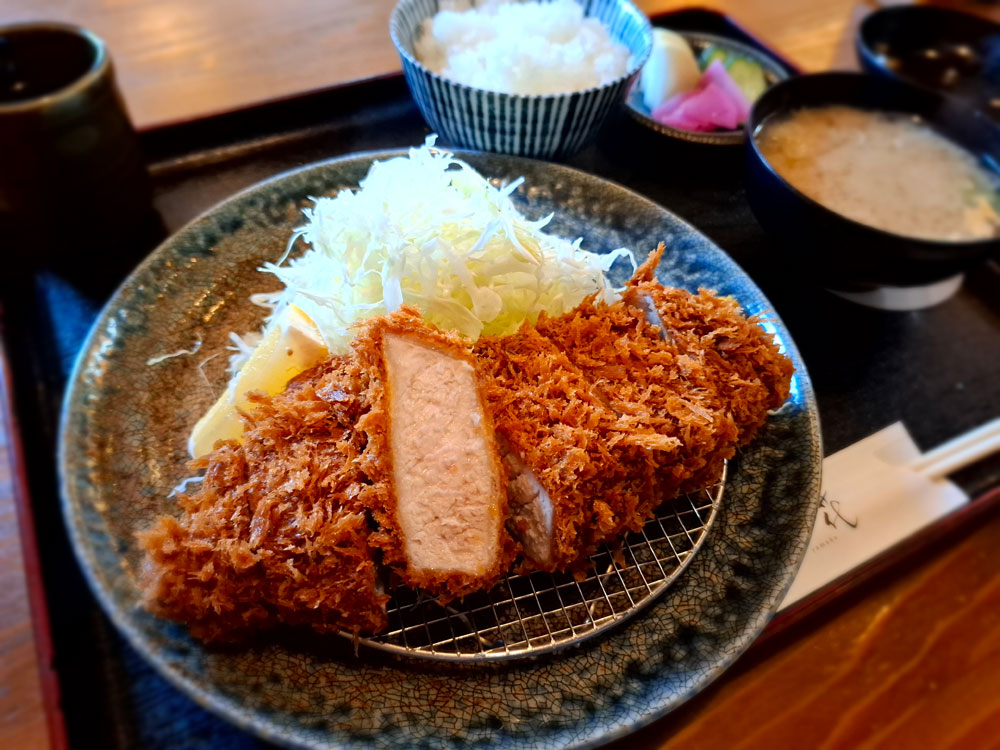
290,346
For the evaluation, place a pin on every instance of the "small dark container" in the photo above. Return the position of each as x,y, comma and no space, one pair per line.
839,253
774,71
72,178
945,50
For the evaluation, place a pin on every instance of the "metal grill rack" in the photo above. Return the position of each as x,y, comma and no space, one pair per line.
533,614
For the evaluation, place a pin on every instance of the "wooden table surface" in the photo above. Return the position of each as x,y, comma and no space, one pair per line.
182,58
910,661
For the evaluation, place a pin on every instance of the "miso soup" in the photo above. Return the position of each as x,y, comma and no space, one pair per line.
887,170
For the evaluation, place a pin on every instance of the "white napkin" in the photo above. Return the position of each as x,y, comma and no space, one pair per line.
871,500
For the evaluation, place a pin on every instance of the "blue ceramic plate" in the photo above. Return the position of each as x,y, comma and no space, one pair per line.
124,428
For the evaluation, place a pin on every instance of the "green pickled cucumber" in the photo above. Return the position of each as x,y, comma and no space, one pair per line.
712,53
749,76
747,73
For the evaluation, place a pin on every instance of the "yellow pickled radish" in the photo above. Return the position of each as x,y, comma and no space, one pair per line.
671,69
290,346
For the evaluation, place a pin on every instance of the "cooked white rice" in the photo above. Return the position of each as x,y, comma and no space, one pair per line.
520,48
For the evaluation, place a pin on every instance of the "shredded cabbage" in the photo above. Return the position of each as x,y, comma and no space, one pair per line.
427,230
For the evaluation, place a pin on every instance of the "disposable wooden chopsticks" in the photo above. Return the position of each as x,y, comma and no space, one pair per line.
960,451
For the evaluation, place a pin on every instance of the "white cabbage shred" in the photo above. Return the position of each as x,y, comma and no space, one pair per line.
427,230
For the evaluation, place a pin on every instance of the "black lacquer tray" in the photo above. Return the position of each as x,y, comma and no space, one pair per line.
936,370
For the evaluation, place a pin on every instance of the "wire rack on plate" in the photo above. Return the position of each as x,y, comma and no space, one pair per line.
532,614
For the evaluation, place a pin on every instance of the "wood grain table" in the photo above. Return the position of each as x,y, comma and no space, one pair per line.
912,660
181,58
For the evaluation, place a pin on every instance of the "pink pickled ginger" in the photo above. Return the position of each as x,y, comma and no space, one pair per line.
717,73
717,102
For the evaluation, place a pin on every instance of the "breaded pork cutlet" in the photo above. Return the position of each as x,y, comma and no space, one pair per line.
576,473
395,453
749,371
440,487
661,397
277,532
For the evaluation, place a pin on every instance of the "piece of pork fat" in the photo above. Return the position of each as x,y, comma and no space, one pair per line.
531,512
573,472
439,483
716,338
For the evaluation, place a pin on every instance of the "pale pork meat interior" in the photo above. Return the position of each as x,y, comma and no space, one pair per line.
439,487
445,481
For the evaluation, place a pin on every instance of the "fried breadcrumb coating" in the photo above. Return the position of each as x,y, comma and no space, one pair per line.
546,412
665,401
277,532
749,371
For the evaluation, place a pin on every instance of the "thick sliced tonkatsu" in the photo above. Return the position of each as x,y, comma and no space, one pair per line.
576,472
277,532
747,368
440,486
425,454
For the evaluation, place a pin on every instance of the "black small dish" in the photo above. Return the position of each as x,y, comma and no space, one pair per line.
774,71
945,50
844,255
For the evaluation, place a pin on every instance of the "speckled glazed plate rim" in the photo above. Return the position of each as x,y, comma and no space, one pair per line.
210,696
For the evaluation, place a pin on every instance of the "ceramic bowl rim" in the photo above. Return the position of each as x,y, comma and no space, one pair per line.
395,22
97,68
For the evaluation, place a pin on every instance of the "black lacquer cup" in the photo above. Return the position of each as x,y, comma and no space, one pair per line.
833,250
72,178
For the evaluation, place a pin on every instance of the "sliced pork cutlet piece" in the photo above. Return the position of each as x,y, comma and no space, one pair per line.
575,473
277,531
748,369
664,399
432,456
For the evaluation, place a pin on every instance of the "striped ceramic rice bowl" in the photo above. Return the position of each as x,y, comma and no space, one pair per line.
549,126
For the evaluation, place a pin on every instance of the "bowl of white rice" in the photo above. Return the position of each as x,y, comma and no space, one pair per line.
531,78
